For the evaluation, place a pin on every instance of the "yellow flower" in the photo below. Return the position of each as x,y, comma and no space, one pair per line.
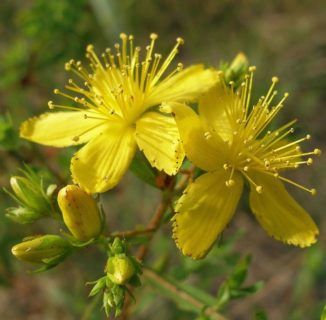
229,140
113,111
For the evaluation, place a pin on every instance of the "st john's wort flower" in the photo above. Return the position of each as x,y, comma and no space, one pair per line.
229,140
113,112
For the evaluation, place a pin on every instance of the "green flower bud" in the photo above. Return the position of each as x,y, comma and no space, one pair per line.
34,201
118,246
120,269
42,250
80,213
237,69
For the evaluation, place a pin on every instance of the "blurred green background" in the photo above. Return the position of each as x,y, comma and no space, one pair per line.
284,38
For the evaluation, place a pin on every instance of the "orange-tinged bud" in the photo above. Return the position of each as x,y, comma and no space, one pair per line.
80,212
42,249
120,269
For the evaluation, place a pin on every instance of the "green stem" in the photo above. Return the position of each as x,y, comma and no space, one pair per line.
185,296
132,233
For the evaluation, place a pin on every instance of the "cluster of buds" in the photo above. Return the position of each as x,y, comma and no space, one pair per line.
121,270
80,214
33,199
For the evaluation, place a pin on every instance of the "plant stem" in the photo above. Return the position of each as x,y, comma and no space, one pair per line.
208,311
154,225
132,233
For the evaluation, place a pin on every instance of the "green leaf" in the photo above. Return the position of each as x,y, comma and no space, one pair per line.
261,315
247,291
143,170
239,274
172,290
99,285
323,314
9,139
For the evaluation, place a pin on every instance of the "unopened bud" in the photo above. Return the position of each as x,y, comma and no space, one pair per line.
42,249
80,212
120,269
237,69
34,202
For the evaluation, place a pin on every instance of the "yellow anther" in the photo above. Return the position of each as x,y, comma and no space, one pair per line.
313,192
123,35
229,183
252,68
317,152
259,189
286,94
308,136
246,168
50,105
310,161
180,41
56,91
225,166
153,36
90,48
207,135
275,79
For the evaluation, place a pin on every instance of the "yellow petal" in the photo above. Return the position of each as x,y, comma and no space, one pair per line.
100,165
214,109
279,214
158,137
62,129
203,212
200,149
186,85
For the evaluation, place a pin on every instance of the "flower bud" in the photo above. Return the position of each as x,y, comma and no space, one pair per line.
80,212
34,201
120,269
42,249
237,69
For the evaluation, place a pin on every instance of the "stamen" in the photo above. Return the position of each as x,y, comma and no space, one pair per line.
259,189
311,191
